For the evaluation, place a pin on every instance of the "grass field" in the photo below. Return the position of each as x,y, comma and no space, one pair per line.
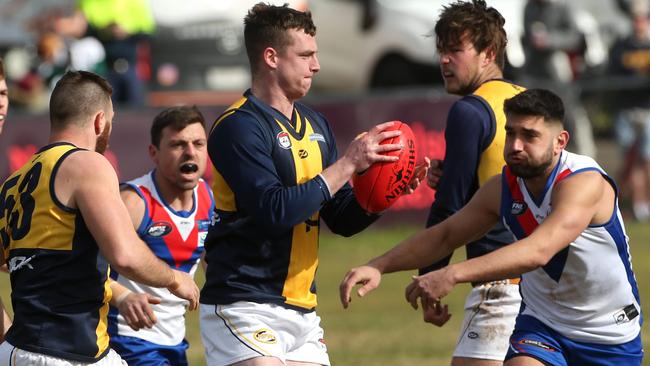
382,329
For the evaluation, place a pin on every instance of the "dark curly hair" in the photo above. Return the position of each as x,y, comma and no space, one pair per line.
266,25
480,24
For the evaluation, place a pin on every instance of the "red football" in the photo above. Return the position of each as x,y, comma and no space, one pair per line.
382,184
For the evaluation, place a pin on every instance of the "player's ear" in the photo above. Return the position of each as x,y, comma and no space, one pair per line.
561,141
270,57
490,56
99,122
153,153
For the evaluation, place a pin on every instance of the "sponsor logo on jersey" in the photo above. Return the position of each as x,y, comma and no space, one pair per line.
518,208
283,140
159,228
202,226
626,314
472,335
16,263
316,137
303,154
265,336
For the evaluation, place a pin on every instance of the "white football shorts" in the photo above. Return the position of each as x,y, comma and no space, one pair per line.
12,356
490,313
244,330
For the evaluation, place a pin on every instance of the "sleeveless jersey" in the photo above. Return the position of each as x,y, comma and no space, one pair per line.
494,93
586,292
177,238
59,278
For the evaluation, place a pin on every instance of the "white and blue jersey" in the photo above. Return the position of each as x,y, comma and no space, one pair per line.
177,238
587,292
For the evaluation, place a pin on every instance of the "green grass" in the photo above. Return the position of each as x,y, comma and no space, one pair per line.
382,329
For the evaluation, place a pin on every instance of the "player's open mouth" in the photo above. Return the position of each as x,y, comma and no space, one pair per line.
2,117
189,168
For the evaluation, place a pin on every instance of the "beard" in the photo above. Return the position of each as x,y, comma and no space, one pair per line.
102,140
527,171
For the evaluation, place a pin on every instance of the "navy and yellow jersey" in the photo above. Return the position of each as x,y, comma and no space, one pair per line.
269,198
475,137
59,284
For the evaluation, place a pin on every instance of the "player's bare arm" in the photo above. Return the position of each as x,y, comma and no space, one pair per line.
134,307
578,201
134,205
427,246
360,154
97,197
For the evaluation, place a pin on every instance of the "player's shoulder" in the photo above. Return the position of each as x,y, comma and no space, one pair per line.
242,112
87,165
131,196
470,106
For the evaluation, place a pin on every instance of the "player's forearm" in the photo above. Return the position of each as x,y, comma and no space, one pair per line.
419,250
119,293
337,174
139,264
508,262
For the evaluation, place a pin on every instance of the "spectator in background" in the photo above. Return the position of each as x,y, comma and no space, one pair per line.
630,58
122,26
552,43
64,45
61,45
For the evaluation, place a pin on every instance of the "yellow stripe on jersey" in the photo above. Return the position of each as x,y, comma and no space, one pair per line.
102,327
304,250
225,200
495,92
230,110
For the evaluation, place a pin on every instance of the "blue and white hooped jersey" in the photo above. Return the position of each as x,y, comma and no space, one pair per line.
587,291
177,238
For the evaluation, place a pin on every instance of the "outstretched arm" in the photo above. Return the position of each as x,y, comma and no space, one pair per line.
583,199
471,222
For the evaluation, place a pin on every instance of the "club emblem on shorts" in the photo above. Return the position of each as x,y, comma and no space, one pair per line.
265,336
535,343
284,141
472,335
518,208
159,228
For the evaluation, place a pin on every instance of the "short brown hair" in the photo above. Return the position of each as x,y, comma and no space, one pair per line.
2,70
177,118
267,25
473,20
76,96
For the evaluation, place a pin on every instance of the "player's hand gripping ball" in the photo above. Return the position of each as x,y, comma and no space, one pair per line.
382,184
